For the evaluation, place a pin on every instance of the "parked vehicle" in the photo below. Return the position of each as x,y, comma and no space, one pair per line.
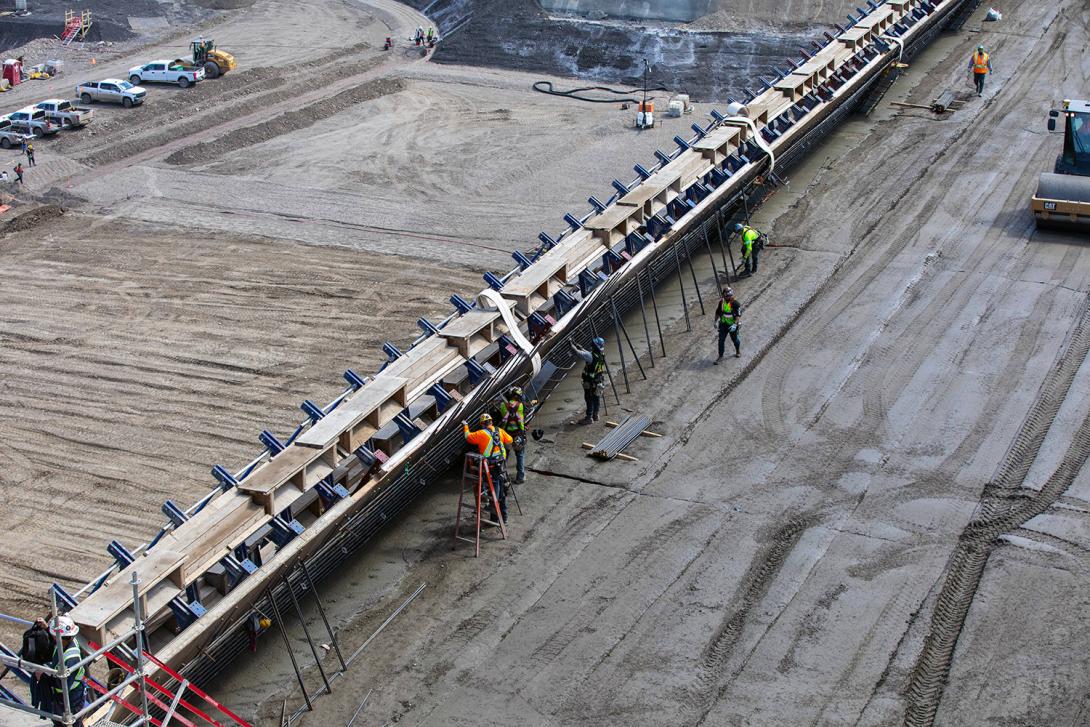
32,120
65,113
111,90
9,136
176,71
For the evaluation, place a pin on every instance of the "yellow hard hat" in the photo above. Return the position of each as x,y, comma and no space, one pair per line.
486,418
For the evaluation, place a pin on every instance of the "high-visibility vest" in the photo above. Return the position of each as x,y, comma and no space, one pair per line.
726,313
495,444
749,235
513,417
72,656
980,62
594,370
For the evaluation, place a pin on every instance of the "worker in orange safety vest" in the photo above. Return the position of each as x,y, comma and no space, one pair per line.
492,444
980,63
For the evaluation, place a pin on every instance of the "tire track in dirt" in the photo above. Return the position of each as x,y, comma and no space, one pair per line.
754,586
1000,514
207,151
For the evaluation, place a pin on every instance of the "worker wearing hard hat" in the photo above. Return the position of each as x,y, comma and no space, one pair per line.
594,376
67,649
727,316
513,421
980,63
492,444
750,247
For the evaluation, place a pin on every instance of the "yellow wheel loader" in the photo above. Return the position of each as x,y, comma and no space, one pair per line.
1063,196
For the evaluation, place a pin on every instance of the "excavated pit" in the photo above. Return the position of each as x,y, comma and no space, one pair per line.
692,46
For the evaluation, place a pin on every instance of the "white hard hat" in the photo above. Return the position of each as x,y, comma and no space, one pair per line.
64,626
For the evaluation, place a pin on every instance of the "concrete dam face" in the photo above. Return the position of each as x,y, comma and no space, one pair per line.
682,11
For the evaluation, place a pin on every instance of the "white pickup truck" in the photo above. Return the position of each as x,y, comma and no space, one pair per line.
65,113
176,71
111,90
32,120
10,136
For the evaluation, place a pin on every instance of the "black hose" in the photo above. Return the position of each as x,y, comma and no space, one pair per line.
547,87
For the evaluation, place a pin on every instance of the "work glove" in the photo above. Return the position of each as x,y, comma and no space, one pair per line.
734,328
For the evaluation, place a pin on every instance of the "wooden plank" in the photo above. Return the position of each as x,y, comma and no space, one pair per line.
426,362
99,608
614,215
876,18
576,256
207,542
639,194
279,469
471,323
351,411
472,332
718,138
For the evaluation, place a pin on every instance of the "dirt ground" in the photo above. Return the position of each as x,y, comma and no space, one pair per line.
205,227
876,516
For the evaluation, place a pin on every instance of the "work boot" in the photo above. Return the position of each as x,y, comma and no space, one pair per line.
585,420
595,417
520,479
716,361
738,354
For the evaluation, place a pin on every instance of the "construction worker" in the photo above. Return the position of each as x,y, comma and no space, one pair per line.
749,249
513,421
18,169
492,444
65,630
30,154
980,63
38,647
594,376
727,316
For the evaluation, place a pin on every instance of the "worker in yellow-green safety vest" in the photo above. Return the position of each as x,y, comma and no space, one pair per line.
727,315
65,630
750,250
980,63
492,444
513,421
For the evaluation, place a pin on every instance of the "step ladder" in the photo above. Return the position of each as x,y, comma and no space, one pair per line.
475,475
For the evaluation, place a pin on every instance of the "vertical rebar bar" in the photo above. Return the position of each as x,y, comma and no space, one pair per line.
620,350
617,321
306,632
287,643
141,641
725,245
681,283
321,611
655,308
692,271
715,270
643,314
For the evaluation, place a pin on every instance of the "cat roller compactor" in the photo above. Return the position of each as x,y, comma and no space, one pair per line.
1063,196
216,62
